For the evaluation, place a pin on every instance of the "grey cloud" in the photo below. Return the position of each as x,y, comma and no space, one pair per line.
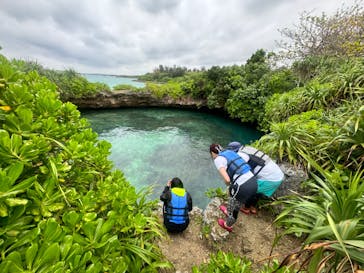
72,16
257,7
157,6
23,11
137,35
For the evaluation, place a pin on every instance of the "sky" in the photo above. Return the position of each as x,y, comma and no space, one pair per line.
132,37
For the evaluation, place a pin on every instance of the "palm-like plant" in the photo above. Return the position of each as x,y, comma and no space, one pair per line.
318,95
284,141
332,215
349,79
224,262
351,137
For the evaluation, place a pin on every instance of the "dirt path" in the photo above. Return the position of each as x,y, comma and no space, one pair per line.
252,237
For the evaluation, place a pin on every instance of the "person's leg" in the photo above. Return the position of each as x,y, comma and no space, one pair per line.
251,204
233,210
247,196
238,196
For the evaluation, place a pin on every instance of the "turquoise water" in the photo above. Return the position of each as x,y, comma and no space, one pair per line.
111,81
152,145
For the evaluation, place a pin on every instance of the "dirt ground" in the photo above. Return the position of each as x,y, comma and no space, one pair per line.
252,237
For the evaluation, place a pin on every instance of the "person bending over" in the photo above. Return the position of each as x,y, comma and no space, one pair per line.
269,174
177,202
241,181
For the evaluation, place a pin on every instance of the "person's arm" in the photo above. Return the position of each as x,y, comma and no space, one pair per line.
166,194
224,175
220,164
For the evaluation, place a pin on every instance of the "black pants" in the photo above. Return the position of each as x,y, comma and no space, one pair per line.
254,200
175,228
240,195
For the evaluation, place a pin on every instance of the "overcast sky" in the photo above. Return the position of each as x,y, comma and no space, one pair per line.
132,37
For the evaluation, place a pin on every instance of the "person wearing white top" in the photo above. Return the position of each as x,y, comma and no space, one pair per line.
269,175
237,174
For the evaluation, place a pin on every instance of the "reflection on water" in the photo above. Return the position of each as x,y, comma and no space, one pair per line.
152,145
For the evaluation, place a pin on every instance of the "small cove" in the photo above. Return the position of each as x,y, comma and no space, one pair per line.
152,145
112,80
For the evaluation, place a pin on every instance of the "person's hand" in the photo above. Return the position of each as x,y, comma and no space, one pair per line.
169,183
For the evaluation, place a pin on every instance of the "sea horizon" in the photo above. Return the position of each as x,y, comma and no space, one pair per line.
113,80
115,75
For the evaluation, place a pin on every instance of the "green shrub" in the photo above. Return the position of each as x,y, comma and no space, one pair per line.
217,192
70,84
171,89
125,87
331,215
244,104
228,262
224,262
281,106
309,132
62,208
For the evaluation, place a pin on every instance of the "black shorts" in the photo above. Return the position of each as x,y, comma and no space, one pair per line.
246,191
175,228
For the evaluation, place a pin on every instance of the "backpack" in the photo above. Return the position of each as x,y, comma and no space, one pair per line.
255,161
256,157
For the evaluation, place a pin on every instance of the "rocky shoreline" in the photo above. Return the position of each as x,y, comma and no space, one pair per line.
128,98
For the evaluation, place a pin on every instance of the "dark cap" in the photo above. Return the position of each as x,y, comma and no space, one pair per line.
234,146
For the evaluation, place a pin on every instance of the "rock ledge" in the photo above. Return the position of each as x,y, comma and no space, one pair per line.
128,98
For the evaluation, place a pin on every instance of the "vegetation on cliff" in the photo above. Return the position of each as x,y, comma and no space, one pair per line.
69,83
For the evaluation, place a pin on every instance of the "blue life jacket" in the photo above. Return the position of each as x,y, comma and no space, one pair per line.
177,209
235,164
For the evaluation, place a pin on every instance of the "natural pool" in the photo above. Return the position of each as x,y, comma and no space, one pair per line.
152,145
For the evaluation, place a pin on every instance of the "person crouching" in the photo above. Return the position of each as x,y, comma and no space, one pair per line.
177,202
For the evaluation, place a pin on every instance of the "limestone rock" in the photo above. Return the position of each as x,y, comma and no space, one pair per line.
128,98
294,176
210,216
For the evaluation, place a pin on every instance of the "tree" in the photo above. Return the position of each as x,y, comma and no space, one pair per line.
256,66
341,34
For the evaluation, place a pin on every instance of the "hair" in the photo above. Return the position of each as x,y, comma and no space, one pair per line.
215,148
176,183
